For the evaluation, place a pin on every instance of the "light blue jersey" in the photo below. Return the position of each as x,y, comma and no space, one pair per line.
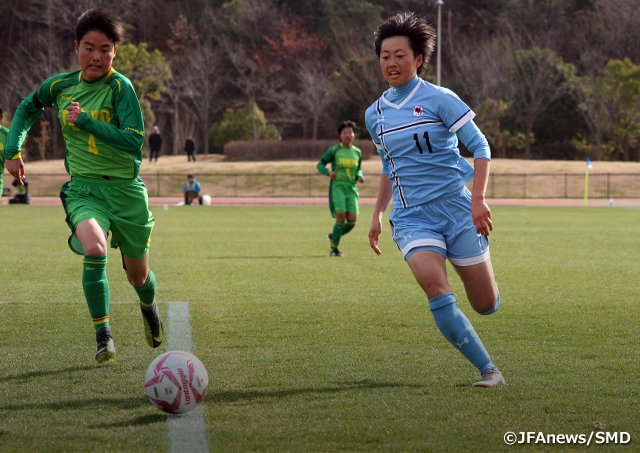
414,129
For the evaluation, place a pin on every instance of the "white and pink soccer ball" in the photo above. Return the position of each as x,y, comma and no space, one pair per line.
176,382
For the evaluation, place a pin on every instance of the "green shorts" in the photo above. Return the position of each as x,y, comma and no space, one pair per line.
120,206
343,197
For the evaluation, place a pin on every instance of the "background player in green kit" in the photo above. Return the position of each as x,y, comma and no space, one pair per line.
104,133
345,173
3,139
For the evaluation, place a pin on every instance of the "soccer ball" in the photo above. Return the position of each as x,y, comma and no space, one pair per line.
176,382
206,200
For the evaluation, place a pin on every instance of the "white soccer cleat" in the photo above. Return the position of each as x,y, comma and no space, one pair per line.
491,378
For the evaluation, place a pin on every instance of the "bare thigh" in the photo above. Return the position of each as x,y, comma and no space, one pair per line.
430,271
480,285
92,237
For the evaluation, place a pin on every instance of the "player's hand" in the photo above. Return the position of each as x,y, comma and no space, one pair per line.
332,175
360,180
16,168
481,217
73,112
374,234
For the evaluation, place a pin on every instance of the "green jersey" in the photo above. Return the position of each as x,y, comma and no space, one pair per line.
3,139
105,141
345,162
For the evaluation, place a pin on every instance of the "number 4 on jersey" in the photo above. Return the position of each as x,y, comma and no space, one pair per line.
92,145
426,139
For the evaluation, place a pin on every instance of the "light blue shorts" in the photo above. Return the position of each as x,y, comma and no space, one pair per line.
443,225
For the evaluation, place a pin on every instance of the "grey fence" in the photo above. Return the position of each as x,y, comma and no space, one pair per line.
562,185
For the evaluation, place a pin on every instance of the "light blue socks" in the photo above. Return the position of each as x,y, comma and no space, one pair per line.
456,328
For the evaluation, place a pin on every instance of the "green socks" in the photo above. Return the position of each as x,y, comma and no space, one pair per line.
348,227
147,292
96,289
336,234
339,230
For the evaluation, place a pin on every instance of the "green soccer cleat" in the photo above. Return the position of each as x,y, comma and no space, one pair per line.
153,328
106,346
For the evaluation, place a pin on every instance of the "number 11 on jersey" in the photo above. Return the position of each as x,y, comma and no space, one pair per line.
426,139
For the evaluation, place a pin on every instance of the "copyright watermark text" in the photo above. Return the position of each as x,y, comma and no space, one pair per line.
596,437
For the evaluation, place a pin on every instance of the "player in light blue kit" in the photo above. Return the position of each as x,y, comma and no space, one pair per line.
416,127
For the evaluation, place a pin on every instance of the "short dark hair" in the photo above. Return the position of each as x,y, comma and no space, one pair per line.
421,35
346,124
189,176
100,20
0,113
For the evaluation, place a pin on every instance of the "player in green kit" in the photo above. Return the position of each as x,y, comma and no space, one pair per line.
104,132
345,159
3,139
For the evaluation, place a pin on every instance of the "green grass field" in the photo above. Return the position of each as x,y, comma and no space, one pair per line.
307,353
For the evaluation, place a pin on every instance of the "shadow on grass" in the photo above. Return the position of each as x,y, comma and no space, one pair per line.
45,373
266,257
233,396
143,420
118,403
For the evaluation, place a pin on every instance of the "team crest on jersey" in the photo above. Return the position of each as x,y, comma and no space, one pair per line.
418,110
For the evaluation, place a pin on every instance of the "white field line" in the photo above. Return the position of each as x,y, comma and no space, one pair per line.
187,432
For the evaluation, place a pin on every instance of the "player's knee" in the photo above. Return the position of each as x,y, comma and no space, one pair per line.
95,249
137,279
493,309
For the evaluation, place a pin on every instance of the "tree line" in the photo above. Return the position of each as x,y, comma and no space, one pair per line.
554,79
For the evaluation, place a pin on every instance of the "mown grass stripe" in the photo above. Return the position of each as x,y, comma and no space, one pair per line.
187,432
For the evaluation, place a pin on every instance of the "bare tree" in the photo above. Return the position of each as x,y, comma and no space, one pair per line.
205,79
592,104
539,77
619,21
482,71
241,33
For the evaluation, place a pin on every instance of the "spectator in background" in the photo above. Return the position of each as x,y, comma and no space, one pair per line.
191,190
155,143
190,148
22,192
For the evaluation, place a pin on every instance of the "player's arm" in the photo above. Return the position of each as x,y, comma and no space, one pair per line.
476,143
359,174
129,136
24,118
385,193
324,160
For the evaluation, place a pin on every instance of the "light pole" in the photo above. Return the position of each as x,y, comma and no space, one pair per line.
438,59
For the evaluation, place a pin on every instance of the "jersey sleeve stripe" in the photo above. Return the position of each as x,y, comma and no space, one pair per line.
36,100
468,116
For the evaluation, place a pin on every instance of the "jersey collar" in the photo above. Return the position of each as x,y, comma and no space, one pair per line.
396,94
